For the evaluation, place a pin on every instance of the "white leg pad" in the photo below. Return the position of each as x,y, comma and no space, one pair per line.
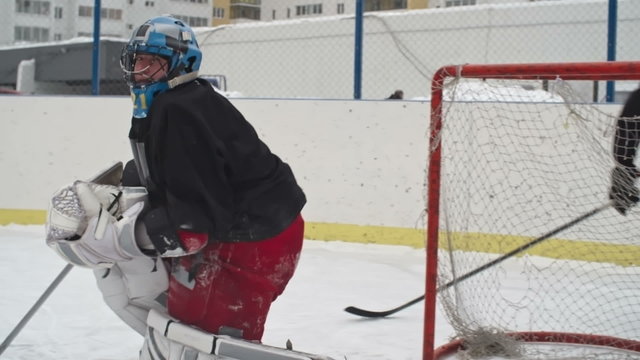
131,288
169,339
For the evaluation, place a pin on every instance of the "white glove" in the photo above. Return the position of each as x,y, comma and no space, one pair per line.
108,235
104,242
72,206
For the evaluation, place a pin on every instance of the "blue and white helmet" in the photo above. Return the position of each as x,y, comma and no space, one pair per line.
166,37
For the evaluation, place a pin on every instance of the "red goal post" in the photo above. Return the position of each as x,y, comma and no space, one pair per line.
594,71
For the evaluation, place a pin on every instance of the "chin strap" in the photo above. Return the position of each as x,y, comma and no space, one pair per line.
182,79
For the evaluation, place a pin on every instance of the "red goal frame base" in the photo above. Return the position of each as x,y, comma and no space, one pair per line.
551,337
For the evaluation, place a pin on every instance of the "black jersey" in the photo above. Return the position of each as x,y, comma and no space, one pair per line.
204,164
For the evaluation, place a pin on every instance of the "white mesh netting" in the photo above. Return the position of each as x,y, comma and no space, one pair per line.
517,162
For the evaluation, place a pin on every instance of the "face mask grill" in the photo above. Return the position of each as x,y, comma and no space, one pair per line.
140,77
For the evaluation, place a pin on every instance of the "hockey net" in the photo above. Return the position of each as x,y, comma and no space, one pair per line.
521,158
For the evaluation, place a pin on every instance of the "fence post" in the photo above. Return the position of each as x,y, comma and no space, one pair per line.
95,63
611,45
357,65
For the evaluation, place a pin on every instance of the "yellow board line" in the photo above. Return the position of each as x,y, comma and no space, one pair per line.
22,217
368,234
625,255
620,254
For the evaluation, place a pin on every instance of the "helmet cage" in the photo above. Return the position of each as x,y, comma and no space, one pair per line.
128,63
169,38
163,37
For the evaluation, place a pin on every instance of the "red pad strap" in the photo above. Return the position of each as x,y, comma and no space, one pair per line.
191,241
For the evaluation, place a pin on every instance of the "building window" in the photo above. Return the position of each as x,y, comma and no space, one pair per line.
193,21
33,7
30,34
218,13
450,3
313,9
340,9
245,2
239,12
112,14
149,3
85,11
57,37
105,13
90,34
57,12
288,13
399,4
373,5
273,14
383,5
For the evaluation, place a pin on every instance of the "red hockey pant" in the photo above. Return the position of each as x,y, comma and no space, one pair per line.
235,283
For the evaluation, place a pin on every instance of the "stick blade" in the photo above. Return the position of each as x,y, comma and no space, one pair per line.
366,313
378,314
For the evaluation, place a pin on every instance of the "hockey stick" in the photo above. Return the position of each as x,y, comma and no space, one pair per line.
35,307
108,176
376,314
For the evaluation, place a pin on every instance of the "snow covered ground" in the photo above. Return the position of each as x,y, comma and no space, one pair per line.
75,324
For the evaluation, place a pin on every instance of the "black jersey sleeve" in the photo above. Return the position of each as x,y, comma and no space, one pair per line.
627,136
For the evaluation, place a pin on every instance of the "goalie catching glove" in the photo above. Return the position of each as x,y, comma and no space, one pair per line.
94,225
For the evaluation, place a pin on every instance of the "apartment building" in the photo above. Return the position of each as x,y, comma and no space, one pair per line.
450,3
235,11
296,9
32,21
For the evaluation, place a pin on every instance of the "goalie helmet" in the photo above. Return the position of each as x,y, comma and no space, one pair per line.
168,38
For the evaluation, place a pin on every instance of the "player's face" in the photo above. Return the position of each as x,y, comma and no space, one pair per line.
149,68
